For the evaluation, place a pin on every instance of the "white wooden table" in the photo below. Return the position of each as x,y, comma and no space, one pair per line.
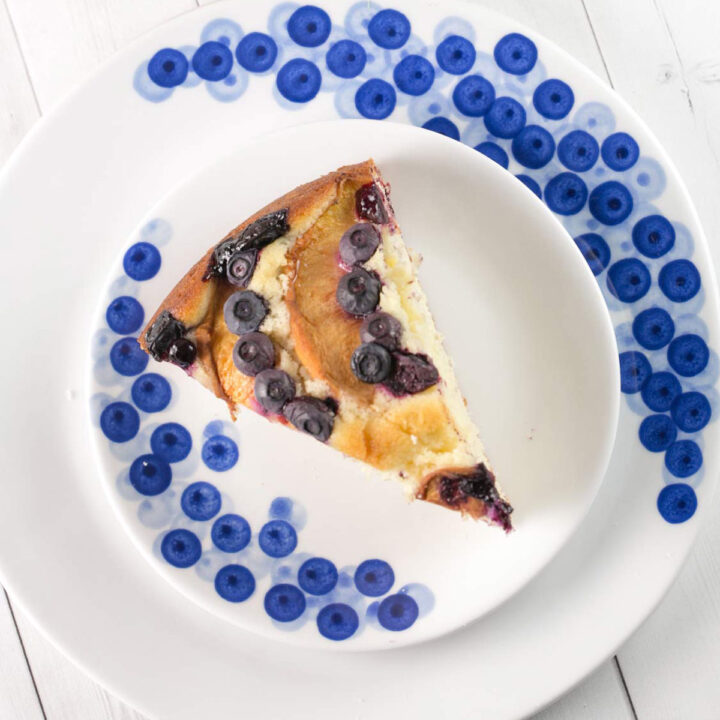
663,56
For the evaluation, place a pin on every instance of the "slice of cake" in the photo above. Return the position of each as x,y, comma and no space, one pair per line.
310,313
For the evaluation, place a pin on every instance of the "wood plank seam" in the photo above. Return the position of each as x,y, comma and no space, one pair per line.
597,44
27,74
625,687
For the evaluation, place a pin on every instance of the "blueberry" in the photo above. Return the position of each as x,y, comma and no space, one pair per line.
299,80
533,147
397,612
443,126
230,533
494,152
369,204
182,352
274,388
375,99
566,193
181,548
688,355
277,538
125,315
220,453
657,433
635,371
142,261
212,61
309,26
168,68
284,602
382,328
358,292
677,502
151,392
660,391
163,331
515,54
311,415
127,357
150,475
241,266
414,75
628,279
653,236
337,621
171,442
389,29
120,422
620,151
200,501
653,328
317,576
371,363
256,52
234,583
595,251
253,353
683,458
578,151
679,280
412,373
244,312
374,577
359,243
610,202
691,411
455,55
346,59
553,99
473,95
505,118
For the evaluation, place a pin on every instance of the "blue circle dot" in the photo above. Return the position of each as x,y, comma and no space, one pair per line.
397,612
309,26
127,357
635,371
120,422
317,576
610,202
375,99
566,193
281,508
220,453
620,151
595,251
677,503
578,151
657,433
150,475
505,118
683,458
230,533
660,391
679,280
151,392
414,75
256,52
212,61
530,184
234,583
628,279
346,59
494,152
553,99
473,95
653,328
691,411
688,355
515,54
171,442
277,538
125,315
653,236
201,501
443,126
142,261
168,68
533,147
374,577
284,602
299,80
337,621
181,548
455,55
389,29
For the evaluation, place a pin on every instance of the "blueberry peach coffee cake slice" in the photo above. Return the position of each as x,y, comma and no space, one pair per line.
310,313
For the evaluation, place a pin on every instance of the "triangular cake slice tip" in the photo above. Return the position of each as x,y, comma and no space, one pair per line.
310,313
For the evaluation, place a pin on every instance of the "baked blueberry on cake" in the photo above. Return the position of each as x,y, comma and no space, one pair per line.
310,313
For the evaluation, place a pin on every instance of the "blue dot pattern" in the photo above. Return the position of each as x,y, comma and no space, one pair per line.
628,279
220,453
150,475
688,355
151,393
473,96
142,261
231,533
277,538
653,236
691,411
635,371
455,55
516,54
299,80
578,151
677,503
284,602
346,59
171,442
389,29
505,118
657,432
168,68
309,26
212,61
201,501
256,52
683,458
653,328
566,194
317,576
494,152
660,390
181,548
533,147
374,577
127,358
595,251
120,422
125,315
375,99
414,75
553,99
443,126
337,621
234,583
679,280
397,612
620,151
610,203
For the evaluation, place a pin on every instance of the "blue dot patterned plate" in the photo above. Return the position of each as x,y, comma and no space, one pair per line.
175,101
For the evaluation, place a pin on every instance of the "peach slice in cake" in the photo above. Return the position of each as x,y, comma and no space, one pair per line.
310,313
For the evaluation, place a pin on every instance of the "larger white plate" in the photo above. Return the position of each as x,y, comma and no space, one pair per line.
71,197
